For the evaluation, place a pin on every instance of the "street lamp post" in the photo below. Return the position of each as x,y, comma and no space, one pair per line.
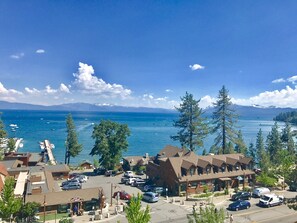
44,207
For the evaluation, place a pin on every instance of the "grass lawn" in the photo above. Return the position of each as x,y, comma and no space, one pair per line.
53,216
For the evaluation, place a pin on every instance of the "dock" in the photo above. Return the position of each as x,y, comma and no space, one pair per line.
18,144
48,147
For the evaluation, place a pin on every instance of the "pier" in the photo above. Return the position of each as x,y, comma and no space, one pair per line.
48,151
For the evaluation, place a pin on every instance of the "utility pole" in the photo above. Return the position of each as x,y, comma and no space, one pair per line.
44,207
111,194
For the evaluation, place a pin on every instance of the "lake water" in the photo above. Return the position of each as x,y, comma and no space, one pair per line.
150,132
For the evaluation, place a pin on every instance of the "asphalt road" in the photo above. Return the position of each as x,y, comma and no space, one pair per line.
163,211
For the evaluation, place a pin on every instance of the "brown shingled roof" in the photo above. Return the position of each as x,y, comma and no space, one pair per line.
63,197
3,170
186,164
171,151
245,160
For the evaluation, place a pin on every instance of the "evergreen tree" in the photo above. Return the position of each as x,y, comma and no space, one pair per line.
287,139
192,126
229,149
214,150
73,148
209,214
240,146
9,204
28,211
284,164
11,145
134,214
262,156
252,152
110,141
274,143
204,152
224,119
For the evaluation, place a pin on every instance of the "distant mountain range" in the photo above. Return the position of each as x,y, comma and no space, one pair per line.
243,111
80,107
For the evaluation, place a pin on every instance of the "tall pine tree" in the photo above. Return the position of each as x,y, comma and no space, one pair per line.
262,155
252,152
192,126
224,119
73,148
240,146
287,139
273,142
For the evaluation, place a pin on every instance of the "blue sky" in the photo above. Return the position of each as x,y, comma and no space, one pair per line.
148,53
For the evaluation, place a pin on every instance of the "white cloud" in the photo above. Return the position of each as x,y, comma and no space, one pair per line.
292,79
88,83
206,101
40,51
169,90
9,94
196,67
17,56
280,80
49,90
286,97
64,88
32,91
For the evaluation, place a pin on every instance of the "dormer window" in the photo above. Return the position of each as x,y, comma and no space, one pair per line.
192,171
237,167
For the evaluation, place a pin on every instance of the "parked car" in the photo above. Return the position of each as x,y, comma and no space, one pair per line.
241,196
130,180
100,171
270,200
239,205
74,180
148,187
82,178
71,186
123,195
150,197
138,183
128,174
258,192
293,187
158,190
108,173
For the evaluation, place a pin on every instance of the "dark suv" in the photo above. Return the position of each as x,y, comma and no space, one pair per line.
241,196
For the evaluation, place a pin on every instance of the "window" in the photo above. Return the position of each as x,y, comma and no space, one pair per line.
223,169
200,170
192,171
184,172
215,169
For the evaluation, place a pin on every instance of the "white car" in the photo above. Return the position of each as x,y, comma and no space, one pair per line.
128,174
258,192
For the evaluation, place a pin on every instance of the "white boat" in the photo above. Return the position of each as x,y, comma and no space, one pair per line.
13,125
42,146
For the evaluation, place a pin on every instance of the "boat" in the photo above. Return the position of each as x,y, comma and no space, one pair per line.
13,125
42,146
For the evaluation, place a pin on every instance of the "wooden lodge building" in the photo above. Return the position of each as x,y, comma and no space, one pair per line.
183,171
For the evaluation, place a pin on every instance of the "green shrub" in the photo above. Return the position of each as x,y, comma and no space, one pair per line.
205,189
226,191
219,194
66,220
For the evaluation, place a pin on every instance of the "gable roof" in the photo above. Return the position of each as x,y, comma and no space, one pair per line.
171,151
